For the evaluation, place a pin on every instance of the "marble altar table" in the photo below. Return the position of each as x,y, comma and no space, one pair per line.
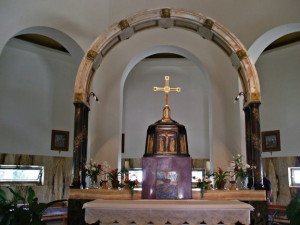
160,212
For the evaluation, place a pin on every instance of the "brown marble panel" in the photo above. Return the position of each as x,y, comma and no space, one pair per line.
277,171
57,177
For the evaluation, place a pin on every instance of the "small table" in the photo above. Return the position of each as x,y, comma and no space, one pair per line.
160,212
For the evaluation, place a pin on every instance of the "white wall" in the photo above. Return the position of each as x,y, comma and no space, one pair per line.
105,126
36,92
279,77
190,107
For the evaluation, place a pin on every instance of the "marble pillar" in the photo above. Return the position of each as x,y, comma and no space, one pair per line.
80,144
253,144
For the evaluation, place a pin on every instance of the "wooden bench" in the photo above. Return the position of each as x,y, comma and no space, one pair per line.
277,215
58,212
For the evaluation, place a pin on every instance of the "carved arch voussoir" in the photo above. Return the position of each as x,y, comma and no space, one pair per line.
191,20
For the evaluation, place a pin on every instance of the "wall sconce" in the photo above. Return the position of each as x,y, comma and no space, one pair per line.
239,95
94,97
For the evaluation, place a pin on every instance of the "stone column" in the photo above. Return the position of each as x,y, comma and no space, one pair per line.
253,144
80,144
248,145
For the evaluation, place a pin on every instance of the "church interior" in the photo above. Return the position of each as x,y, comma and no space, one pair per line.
62,71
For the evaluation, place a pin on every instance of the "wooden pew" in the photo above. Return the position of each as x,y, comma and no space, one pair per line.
58,212
277,214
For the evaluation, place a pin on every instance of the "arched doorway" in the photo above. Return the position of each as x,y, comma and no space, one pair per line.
167,18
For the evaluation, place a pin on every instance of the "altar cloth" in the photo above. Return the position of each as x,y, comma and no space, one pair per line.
160,212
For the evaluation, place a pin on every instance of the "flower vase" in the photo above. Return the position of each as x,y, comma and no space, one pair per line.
104,184
125,187
115,184
242,183
131,192
232,186
93,183
220,185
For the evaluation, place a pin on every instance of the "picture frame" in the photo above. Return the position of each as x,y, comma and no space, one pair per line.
60,140
271,141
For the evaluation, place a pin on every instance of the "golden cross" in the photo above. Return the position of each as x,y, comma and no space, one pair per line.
166,89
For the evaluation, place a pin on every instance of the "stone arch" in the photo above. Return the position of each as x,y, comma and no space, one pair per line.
268,37
73,48
167,18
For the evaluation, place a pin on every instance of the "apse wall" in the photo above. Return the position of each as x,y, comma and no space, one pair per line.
279,78
142,106
105,118
36,94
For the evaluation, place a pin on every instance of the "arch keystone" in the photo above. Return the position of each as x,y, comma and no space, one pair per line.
165,13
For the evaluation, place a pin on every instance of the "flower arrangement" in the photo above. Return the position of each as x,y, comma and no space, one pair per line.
131,185
203,184
220,178
93,170
241,170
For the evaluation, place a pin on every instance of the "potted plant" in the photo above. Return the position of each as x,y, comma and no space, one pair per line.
220,178
22,210
113,176
293,211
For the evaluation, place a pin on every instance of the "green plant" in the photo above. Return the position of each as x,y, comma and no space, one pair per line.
22,210
293,211
113,174
220,176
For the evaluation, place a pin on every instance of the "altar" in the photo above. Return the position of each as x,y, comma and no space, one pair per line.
143,212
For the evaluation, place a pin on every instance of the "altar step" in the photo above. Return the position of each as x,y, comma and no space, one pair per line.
108,194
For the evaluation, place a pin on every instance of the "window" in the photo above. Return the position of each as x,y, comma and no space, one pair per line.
21,174
136,174
294,176
197,173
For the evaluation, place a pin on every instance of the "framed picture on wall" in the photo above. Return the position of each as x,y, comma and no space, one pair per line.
60,140
270,141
